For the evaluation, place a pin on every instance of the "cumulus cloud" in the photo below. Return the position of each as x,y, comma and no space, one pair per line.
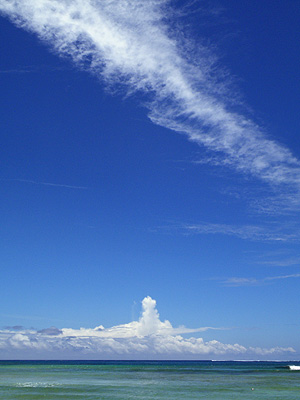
147,337
50,331
149,324
130,42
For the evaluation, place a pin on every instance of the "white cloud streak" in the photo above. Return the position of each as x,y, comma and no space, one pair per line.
238,281
128,42
46,184
147,337
283,262
269,233
31,69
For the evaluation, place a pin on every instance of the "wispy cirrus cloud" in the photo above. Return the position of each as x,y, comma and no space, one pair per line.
239,281
132,43
22,70
286,262
31,69
263,232
46,184
147,337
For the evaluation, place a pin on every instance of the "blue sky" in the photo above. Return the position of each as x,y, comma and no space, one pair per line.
150,149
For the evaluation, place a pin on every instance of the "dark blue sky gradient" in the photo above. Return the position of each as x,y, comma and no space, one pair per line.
82,255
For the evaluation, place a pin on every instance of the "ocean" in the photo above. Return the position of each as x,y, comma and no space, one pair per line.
142,380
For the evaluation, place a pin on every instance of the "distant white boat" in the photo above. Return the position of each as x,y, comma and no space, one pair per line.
294,367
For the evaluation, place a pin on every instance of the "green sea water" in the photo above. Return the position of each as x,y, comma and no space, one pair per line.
142,380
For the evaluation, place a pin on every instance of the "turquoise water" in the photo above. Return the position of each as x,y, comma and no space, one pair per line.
142,380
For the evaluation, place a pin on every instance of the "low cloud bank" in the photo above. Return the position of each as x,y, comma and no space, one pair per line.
148,337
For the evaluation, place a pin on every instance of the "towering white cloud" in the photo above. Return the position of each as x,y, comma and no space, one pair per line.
149,322
147,337
129,42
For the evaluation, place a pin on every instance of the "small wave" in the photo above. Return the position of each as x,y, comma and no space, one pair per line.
294,367
36,384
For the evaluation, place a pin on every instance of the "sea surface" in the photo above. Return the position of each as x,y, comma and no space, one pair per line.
142,380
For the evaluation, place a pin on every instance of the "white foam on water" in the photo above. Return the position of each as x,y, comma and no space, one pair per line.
294,367
37,384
